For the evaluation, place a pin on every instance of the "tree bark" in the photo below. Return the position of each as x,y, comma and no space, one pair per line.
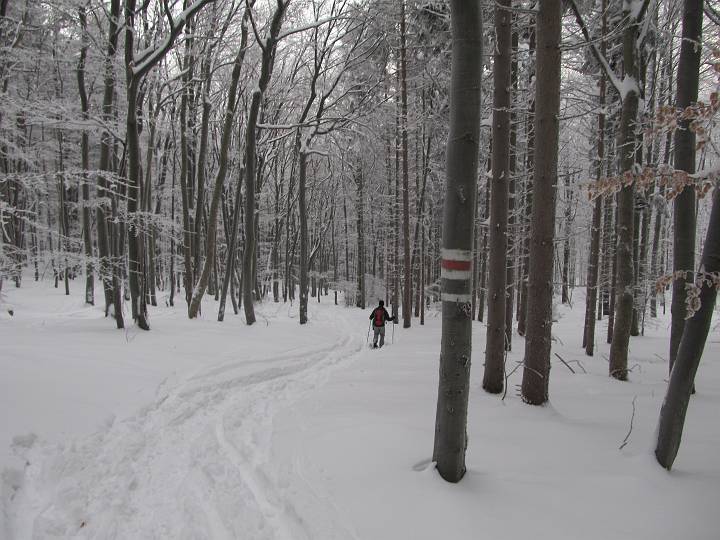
494,376
462,160
186,167
268,60
135,236
591,298
483,250
624,274
302,177
536,373
512,239
85,163
231,243
107,265
690,349
359,180
684,219
407,290
656,254
527,211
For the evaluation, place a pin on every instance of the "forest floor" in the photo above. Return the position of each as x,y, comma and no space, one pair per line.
199,429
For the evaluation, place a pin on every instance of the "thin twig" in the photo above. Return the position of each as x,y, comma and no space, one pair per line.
505,368
507,376
625,441
564,362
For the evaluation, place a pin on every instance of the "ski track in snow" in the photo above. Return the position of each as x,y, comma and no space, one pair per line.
195,464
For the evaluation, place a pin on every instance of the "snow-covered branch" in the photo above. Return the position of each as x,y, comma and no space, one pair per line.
609,73
145,60
310,26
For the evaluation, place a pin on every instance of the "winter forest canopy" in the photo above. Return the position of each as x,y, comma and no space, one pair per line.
187,154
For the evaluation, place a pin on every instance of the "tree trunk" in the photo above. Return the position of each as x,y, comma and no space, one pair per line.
249,256
102,210
684,219
536,373
422,275
527,212
302,177
591,296
567,191
231,243
186,167
407,290
494,376
360,300
85,164
656,254
690,349
626,198
134,205
483,250
461,178
200,169
512,239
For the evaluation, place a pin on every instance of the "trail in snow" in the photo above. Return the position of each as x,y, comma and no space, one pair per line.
194,464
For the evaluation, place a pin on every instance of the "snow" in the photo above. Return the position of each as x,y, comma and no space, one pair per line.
634,7
199,429
310,26
628,85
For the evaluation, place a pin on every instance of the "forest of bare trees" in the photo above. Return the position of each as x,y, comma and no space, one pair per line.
296,151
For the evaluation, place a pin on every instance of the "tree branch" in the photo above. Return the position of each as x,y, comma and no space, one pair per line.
609,73
148,58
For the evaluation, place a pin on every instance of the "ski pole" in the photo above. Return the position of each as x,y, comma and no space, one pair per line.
393,334
367,339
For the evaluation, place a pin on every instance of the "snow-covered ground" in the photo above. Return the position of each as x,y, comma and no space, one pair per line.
201,429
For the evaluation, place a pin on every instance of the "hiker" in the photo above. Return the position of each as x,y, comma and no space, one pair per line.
378,317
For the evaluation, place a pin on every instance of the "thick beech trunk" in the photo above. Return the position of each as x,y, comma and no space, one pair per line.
459,207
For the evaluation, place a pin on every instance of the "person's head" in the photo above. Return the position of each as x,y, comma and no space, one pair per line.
382,303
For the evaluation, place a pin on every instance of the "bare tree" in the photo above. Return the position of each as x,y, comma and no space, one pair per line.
268,47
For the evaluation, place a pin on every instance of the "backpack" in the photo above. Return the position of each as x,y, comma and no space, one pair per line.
379,319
